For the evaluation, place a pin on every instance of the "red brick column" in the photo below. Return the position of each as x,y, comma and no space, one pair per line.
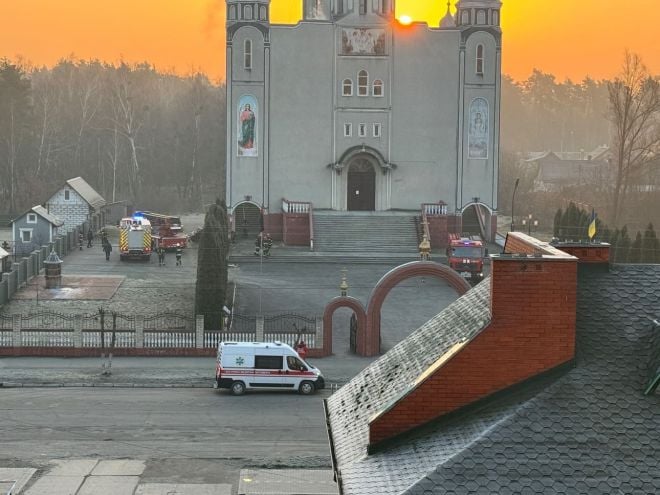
360,313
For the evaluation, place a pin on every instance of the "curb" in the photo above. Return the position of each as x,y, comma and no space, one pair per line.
8,385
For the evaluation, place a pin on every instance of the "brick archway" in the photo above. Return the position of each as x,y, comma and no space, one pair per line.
360,313
389,281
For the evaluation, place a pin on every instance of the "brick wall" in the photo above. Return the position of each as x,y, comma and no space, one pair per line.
438,230
588,253
296,229
532,330
273,225
73,212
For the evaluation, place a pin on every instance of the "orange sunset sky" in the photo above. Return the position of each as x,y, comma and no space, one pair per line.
569,38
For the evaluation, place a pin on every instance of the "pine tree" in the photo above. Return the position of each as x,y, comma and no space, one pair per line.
650,246
211,289
636,249
556,226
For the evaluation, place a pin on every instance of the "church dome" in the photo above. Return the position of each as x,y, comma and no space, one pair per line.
448,20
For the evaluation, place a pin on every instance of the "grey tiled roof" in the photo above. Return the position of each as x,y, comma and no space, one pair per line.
391,376
87,192
590,431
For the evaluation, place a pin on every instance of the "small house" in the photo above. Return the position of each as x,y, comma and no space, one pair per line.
33,229
76,202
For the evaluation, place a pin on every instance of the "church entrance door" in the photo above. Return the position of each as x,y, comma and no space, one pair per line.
361,186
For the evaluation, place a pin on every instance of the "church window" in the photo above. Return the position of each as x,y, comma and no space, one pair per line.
377,130
347,87
363,83
340,7
465,17
232,12
481,17
480,60
377,88
496,18
247,12
362,130
348,130
247,54
263,13
363,7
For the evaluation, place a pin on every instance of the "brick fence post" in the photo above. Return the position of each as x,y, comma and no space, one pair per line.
77,330
139,331
17,341
18,270
199,331
260,328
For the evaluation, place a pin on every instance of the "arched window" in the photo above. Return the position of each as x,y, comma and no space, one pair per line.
480,60
363,7
481,17
232,12
263,13
347,87
377,89
247,12
496,18
363,83
465,17
247,54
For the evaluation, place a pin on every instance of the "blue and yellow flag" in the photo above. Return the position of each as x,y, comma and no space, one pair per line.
592,226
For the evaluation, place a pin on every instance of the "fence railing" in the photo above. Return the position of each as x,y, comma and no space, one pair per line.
439,208
295,206
161,331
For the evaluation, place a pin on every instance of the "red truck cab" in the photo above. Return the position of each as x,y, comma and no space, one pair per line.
466,256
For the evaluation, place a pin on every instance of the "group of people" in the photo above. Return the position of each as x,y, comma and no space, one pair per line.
263,242
105,243
160,251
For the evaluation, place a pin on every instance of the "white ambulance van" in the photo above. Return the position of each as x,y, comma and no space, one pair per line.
245,366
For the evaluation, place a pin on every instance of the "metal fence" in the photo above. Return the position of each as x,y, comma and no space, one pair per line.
290,328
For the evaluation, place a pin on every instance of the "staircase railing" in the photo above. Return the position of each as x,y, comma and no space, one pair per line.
432,209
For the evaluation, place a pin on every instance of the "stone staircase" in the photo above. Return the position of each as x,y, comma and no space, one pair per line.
365,233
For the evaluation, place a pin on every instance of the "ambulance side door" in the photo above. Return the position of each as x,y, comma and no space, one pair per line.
296,371
267,371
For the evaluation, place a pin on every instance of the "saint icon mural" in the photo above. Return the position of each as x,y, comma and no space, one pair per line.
478,133
247,126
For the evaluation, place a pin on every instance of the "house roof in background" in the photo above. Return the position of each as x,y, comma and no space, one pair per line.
3,253
42,212
87,192
592,430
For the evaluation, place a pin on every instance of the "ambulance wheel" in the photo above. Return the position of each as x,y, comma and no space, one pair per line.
238,388
306,388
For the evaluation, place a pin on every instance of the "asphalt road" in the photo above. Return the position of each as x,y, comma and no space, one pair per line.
185,435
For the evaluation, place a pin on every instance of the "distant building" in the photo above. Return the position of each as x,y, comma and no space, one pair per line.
76,202
554,171
350,111
33,229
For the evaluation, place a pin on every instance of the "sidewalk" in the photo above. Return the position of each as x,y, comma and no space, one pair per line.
144,371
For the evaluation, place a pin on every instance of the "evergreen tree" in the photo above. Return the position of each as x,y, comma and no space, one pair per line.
211,289
556,225
636,249
650,246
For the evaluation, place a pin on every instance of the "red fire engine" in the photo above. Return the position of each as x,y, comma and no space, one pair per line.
466,256
167,230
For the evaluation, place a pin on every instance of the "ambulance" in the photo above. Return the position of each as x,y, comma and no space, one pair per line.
245,366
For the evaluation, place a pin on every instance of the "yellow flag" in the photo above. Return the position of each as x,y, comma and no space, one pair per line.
592,226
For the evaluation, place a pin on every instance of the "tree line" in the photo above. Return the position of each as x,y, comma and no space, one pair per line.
136,134
572,225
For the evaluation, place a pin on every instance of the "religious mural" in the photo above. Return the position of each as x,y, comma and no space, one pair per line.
317,10
247,126
363,41
478,131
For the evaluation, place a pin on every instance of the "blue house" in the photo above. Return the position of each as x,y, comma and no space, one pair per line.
33,229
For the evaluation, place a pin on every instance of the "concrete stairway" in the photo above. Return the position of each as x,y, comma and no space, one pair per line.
365,232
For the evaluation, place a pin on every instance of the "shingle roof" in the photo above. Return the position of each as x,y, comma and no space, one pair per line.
590,431
87,192
391,376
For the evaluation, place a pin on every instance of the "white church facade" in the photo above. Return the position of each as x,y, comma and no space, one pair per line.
349,110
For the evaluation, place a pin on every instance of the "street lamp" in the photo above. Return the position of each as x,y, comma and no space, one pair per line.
513,202
529,221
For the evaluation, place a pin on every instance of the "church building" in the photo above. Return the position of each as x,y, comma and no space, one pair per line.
349,110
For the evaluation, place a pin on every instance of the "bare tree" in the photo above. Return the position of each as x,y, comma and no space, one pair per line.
634,111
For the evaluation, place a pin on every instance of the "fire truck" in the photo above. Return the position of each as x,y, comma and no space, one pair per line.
466,256
135,238
167,230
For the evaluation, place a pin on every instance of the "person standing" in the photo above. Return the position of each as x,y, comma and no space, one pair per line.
107,248
161,256
90,238
179,254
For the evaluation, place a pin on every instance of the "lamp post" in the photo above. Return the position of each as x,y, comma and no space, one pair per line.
529,221
513,203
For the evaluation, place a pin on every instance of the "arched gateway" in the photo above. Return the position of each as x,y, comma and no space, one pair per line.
368,332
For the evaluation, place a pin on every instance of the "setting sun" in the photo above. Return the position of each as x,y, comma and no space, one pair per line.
405,20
